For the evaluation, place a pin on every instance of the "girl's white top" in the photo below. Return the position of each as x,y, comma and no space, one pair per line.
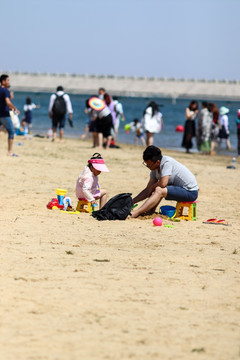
224,122
152,123
29,107
87,185
192,115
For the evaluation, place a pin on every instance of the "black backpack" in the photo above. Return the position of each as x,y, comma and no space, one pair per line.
59,107
117,208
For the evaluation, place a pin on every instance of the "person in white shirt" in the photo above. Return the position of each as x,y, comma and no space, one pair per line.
28,108
224,132
152,122
59,105
119,114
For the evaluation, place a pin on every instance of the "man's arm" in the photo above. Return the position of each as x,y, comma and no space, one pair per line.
122,116
145,192
11,106
162,183
69,105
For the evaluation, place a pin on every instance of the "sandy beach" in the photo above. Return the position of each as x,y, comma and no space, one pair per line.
74,288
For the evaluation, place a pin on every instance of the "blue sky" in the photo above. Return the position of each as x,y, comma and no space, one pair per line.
162,38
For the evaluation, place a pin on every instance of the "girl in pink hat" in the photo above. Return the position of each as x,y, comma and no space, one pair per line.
87,183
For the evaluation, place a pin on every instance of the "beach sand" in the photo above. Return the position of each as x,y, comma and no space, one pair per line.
75,288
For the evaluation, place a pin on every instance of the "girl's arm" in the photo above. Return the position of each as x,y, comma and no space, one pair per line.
188,114
87,187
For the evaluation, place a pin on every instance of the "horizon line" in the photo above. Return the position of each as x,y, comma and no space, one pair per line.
111,76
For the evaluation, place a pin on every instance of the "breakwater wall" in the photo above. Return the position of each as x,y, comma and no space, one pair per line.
126,86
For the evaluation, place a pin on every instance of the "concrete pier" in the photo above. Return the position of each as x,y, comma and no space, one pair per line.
127,86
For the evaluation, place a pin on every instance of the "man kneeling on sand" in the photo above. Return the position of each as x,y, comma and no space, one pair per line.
169,179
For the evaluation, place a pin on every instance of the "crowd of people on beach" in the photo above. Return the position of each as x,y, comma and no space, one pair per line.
211,129
209,124
104,122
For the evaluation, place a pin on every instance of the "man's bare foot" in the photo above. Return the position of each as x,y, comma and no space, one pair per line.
135,213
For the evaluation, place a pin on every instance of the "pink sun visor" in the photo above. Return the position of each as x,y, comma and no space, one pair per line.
98,164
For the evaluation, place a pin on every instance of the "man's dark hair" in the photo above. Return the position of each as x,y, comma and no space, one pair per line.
59,88
3,77
152,153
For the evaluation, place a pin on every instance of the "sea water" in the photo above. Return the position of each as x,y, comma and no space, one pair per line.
173,114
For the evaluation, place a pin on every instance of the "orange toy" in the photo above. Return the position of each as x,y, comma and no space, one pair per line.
192,210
